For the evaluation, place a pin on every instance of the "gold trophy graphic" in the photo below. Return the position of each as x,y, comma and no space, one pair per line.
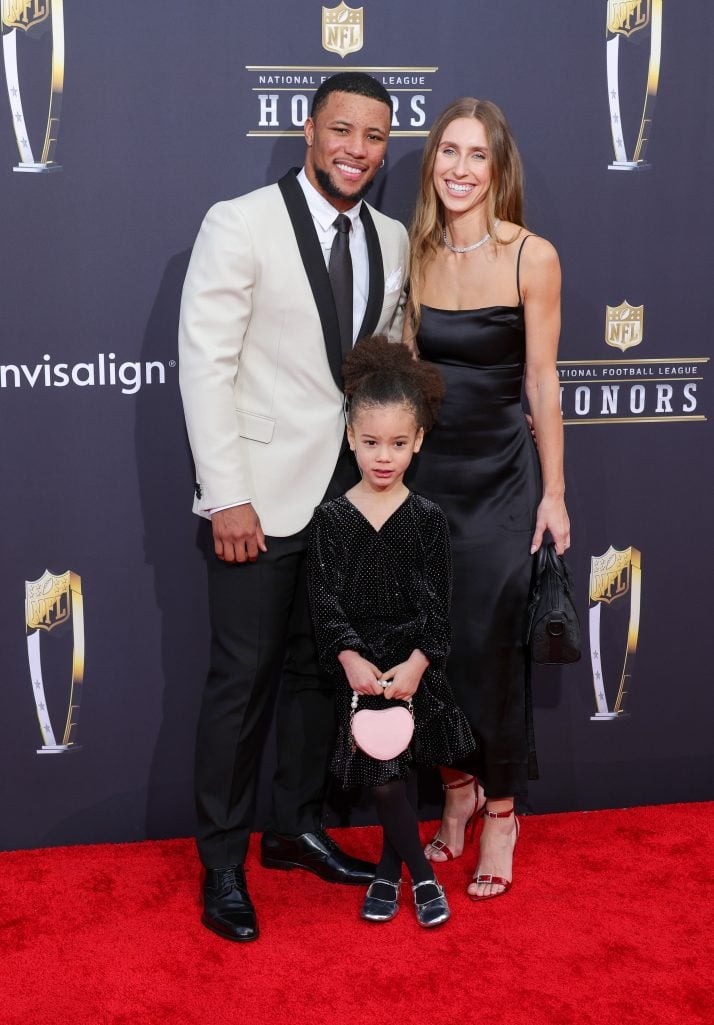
31,19
613,576
51,601
626,21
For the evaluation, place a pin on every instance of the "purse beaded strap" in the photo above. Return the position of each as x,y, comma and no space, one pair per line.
384,684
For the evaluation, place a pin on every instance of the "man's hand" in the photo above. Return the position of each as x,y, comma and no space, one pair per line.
237,534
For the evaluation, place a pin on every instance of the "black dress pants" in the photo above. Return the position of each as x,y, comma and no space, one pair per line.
260,626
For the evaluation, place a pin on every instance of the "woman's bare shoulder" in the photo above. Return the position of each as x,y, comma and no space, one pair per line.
538,251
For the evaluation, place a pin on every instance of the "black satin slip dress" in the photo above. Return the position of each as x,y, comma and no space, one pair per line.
479,463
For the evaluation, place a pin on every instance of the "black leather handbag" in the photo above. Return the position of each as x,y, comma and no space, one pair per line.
553,625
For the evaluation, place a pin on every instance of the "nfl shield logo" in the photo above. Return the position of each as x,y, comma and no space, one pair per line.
627,16
48,600
623,325
24,14
610,575
342,29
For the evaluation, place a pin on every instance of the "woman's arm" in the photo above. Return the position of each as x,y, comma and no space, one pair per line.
541,299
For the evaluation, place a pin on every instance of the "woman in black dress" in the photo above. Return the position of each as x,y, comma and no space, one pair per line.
379,577
485,297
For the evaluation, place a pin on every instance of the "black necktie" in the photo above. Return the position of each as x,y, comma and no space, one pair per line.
340,270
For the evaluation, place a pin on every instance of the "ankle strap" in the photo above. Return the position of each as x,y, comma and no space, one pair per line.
385,882
458,783
499,814
427,882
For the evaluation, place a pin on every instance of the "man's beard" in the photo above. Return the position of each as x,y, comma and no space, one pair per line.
330,189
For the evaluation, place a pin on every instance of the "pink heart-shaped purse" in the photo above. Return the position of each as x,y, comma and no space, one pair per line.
382,733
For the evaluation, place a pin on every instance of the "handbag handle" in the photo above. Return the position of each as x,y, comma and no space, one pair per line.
355,699
556,563
548,557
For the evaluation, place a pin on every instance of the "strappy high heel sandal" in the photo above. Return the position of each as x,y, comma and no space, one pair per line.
498,880
437,843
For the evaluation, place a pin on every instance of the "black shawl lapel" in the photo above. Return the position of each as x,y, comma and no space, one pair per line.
314,263
375,298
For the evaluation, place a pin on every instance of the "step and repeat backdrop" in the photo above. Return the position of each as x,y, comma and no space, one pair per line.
120,124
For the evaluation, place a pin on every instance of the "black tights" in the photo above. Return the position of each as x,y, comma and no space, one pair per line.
396,808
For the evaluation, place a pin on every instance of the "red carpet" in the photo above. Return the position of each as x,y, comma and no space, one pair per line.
609,921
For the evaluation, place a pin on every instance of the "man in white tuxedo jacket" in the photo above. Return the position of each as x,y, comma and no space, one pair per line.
261,341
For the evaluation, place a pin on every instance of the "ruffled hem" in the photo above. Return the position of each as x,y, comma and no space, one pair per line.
444,741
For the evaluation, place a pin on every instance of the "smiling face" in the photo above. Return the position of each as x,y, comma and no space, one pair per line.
384,439
346,144
462,166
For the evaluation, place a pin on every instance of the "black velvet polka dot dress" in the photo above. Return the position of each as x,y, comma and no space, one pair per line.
384,593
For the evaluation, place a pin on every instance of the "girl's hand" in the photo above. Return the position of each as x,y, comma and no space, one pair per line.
553,516
361,675
406,677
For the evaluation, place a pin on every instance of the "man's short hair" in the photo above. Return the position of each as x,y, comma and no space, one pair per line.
356,82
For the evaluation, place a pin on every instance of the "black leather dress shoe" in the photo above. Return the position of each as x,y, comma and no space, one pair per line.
227,907
318,853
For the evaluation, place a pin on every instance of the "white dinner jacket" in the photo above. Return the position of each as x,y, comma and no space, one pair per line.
259,351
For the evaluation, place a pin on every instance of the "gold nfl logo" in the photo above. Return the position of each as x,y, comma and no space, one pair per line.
610,575
342,29
24,14
48,600
627,16
623,325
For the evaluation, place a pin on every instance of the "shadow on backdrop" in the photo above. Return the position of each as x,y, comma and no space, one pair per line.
172,549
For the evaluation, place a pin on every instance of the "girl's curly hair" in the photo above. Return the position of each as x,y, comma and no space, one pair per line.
381,373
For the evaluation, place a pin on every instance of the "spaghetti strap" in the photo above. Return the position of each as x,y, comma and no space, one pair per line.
518,268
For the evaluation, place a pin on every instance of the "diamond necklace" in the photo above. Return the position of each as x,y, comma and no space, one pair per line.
474,245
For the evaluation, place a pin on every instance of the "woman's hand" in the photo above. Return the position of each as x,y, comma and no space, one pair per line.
406,677
553,516
361,675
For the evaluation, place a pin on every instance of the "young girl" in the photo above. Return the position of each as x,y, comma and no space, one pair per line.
379,574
